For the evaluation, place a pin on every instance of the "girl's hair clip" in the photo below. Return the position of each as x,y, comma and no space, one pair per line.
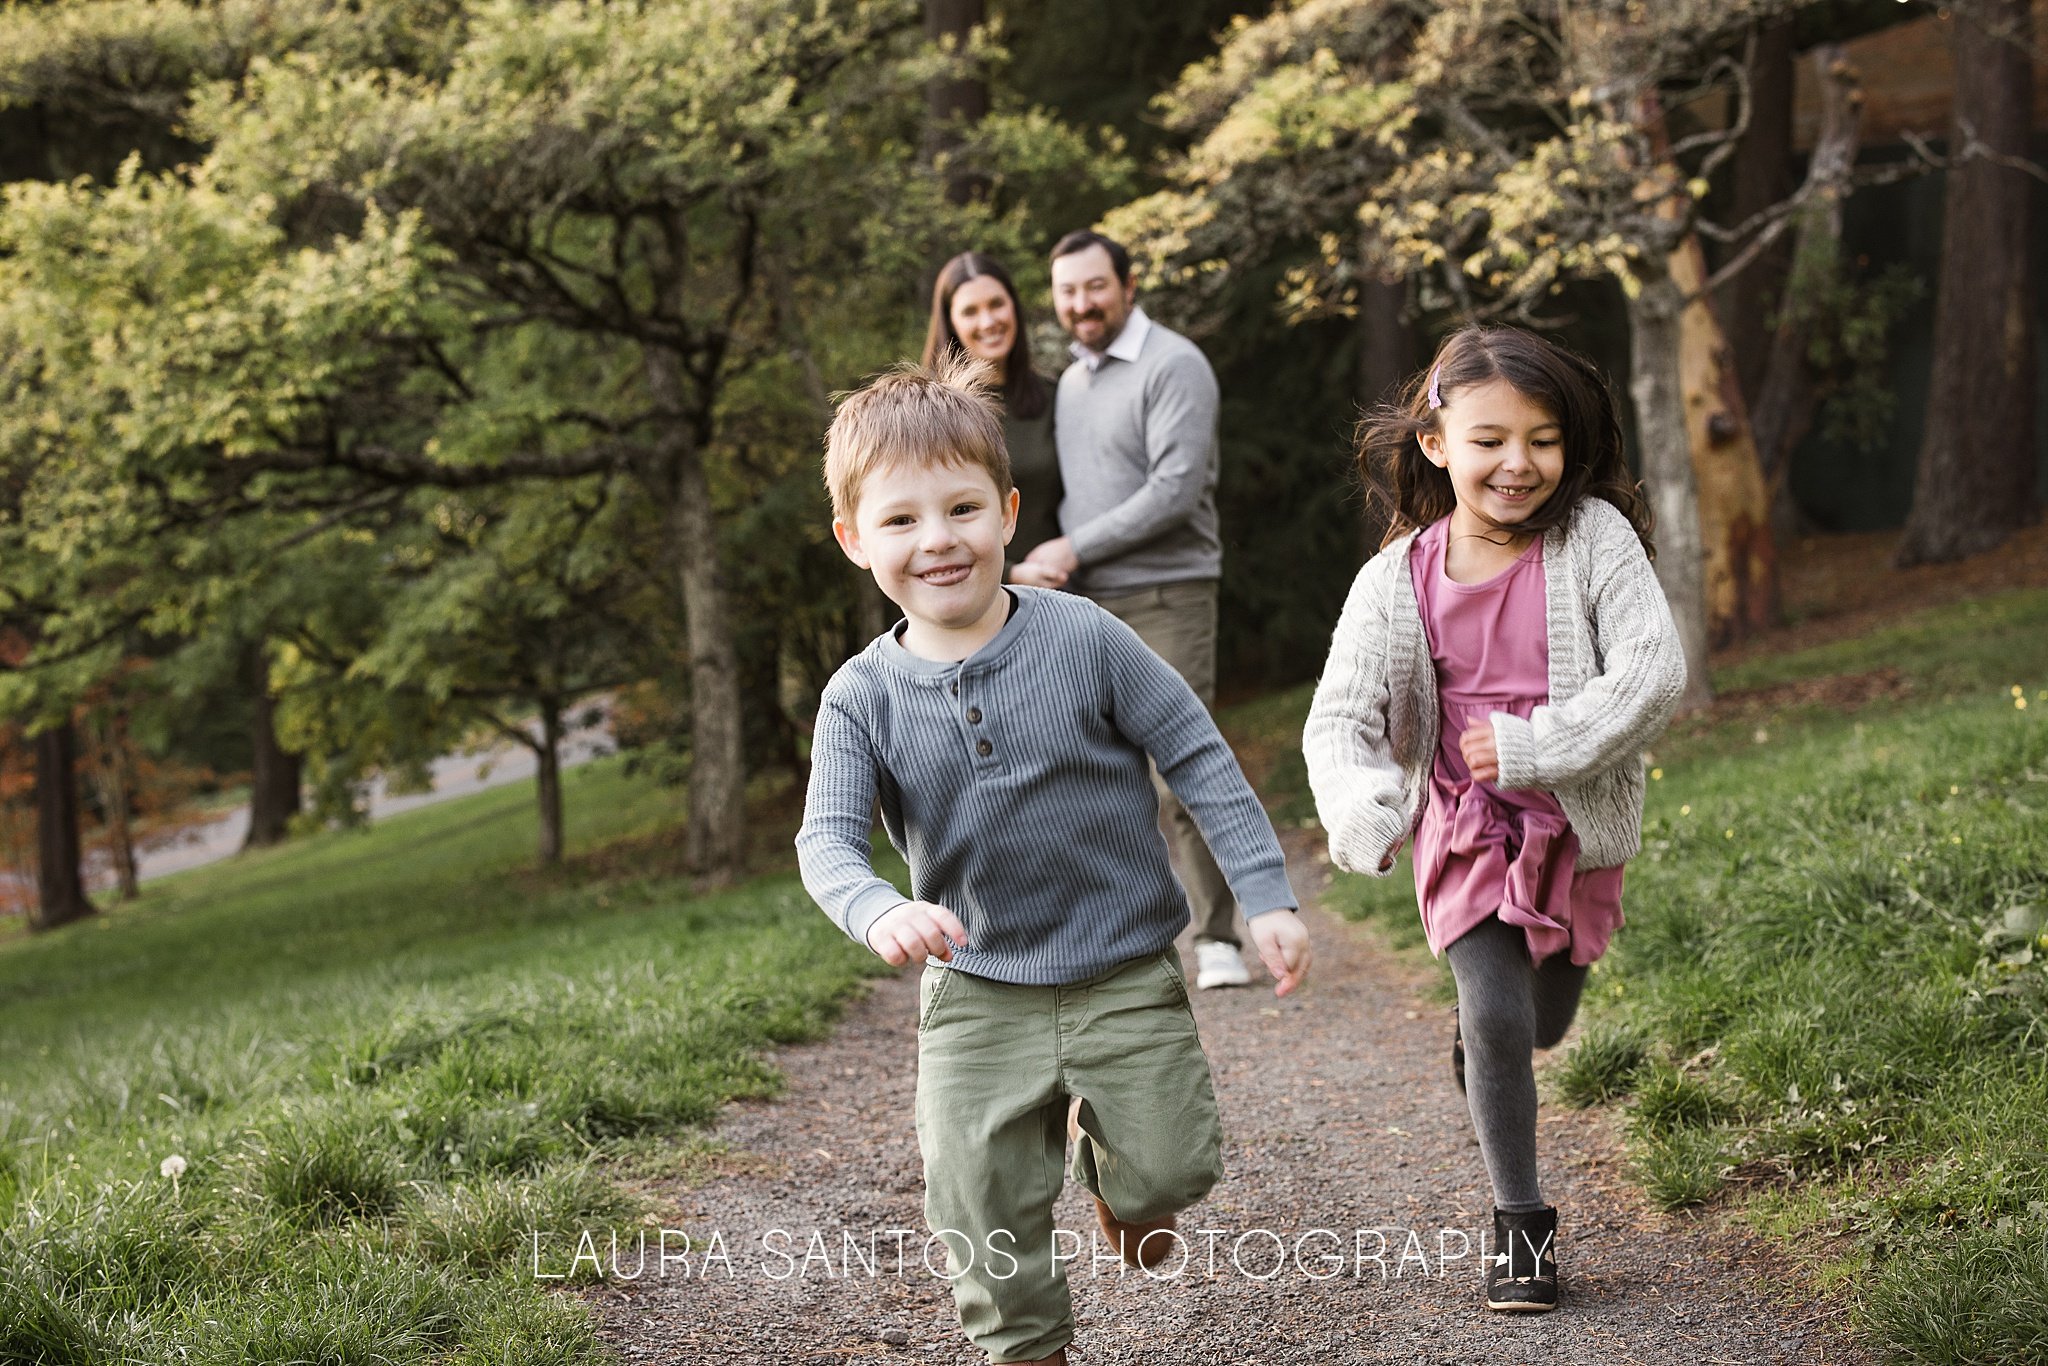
1436,393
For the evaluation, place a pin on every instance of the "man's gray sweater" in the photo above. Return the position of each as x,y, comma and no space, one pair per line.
1137,443
1015,784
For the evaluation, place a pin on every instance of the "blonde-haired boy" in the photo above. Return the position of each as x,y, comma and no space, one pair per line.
1006,733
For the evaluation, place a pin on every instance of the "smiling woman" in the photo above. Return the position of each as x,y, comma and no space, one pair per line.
976,312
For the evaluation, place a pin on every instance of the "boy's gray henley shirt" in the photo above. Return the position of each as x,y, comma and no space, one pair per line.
1015,784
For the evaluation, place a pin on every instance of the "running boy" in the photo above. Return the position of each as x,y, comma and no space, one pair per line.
1006,732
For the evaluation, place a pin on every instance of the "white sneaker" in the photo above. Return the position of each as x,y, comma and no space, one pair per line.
1218,965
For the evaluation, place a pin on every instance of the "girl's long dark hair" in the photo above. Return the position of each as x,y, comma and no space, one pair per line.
1025,392
1408,493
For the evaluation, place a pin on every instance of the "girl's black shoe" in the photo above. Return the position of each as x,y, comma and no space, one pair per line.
1522,1277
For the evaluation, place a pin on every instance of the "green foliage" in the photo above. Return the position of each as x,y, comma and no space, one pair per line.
1498,152
1848,319
446,246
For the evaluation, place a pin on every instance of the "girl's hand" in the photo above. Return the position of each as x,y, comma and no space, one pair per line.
1481,754
917,930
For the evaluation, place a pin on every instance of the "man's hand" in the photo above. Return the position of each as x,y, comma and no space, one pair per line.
1037,575
1282,942
917,930
1056,554
1481,754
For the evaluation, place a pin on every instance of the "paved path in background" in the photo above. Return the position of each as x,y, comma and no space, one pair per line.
1339,1113
453,775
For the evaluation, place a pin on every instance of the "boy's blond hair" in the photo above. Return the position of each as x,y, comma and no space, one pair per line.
944,414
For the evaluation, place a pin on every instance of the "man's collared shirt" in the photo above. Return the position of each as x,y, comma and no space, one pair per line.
1125,346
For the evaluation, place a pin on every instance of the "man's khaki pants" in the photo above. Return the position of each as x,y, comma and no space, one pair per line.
997,1065
1178,620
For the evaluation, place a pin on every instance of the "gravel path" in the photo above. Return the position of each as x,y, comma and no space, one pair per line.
1339,1114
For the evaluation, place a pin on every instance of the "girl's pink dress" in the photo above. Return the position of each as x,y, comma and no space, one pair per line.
1481,850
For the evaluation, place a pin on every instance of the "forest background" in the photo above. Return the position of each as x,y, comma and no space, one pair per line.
376,377
379,376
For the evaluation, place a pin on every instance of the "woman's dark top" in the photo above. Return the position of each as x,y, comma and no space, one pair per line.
1035,469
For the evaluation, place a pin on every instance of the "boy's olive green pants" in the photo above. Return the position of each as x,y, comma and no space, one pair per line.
996,1066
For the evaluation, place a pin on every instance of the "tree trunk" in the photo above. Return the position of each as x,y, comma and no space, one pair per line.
1975,481
1654,354
716,842
1389,351
1729,500
1741,583
60,884
274,774
112,779
1789,395
718,779
549,780
1389,345
1762,174
956,102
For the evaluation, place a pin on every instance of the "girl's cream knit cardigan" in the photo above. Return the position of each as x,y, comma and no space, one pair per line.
1616,672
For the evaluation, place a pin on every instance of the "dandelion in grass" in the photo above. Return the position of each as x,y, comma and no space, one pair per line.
1656,775
1954,790
1685,810
1955,839
1729,833
172,1167
2018,691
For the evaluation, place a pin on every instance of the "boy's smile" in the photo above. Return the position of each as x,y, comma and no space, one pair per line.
933,537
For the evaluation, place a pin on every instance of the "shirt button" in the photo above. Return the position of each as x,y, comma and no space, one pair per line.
954,687
983,748
974,716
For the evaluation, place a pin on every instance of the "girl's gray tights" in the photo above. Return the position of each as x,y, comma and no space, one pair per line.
1507,1008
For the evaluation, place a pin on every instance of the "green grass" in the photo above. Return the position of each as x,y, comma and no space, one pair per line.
386,1059
1829,1010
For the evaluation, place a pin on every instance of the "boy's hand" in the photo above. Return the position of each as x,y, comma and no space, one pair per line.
1282,942
1482,755
917,930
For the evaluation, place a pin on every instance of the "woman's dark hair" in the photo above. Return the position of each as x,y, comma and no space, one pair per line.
1025,392
1409,492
